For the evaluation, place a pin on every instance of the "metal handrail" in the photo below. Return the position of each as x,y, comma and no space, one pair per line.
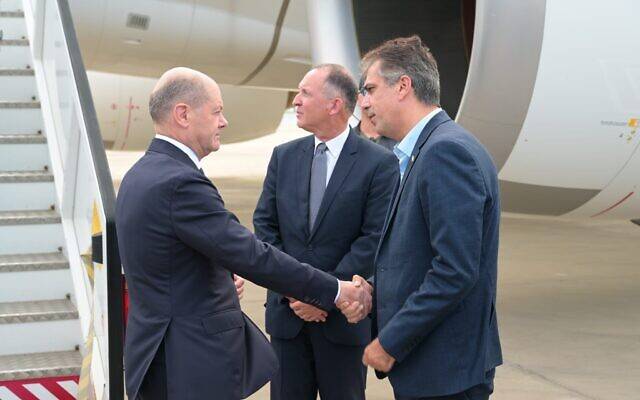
107,194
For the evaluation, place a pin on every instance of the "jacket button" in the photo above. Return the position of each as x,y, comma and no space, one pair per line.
380,267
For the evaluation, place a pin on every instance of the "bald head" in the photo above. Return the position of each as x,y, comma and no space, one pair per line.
186,105
179,85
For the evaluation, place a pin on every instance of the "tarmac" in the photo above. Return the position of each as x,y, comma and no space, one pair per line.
568,290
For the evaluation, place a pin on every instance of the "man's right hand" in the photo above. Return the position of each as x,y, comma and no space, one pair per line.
355,300
307,312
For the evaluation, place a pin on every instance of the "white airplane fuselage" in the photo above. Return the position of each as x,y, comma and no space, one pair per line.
552,88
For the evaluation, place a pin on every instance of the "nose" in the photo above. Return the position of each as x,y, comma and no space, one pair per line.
365,103
296,100
223,122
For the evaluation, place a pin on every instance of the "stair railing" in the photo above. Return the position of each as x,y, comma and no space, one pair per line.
85,193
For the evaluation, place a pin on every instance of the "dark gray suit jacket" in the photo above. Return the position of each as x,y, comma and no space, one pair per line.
347,230
436,267
178,245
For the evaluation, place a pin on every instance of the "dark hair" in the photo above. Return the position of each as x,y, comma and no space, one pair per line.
407,56
341,81
191,91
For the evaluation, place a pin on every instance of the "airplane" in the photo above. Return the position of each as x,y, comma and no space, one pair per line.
552,88
555,99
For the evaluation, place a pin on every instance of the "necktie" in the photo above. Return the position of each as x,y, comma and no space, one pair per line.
318,182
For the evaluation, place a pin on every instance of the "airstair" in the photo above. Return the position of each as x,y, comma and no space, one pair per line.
59,269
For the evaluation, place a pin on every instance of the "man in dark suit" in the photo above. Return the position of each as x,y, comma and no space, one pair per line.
436,264
332,223
186,336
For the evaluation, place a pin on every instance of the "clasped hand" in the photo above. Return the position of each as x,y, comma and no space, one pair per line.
355,299
354,302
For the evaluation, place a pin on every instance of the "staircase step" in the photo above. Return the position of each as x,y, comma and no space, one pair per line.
15,57
25,176
38,326
29,195
42,238
33,262
11,14
18,89
20,121
39,365
24,157
14,42
19,104
22,139
10,5
37,311
16,72
12,27
21,277
29,217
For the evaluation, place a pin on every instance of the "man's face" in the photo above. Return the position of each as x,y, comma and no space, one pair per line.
366,126
208,121
310,103
380,102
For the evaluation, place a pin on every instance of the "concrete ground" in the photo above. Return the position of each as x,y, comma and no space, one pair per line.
568,299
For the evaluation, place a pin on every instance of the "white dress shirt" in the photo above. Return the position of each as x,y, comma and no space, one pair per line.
334,148
185,149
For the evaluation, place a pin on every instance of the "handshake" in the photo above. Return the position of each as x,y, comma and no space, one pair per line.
354,302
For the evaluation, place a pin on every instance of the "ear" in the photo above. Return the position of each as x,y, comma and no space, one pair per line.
335,106
404,87
181,114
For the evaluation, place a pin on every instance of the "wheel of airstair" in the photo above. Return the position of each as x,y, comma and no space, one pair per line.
39,327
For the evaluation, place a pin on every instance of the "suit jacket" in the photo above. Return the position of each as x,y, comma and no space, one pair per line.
178,245
436,266
347,229
383,141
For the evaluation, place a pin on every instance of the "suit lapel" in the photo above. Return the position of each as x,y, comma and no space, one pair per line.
305,158
162,146
345,161
436,121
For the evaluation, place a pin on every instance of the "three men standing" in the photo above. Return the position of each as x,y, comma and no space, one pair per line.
324,201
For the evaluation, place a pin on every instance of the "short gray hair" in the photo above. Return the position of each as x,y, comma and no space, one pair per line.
191,91
341,81
407,56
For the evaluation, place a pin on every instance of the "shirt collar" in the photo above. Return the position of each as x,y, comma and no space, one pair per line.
336,144
185,149
405,147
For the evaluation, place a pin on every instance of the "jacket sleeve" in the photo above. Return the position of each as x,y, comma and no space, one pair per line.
201,221
265,216
452,196
359,259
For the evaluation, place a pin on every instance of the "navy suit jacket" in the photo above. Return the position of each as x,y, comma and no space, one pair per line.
436,267
178,245
347,229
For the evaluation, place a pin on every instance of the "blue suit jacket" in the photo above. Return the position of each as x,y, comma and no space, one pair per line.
347,230
178,245
436,267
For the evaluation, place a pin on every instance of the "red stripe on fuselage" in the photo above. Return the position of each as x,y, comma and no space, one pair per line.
613,206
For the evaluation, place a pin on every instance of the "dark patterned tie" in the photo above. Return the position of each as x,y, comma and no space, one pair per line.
318,182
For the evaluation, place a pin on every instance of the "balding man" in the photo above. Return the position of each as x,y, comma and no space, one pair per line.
324,201
186,336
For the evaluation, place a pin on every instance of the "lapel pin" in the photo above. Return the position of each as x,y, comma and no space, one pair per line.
413,158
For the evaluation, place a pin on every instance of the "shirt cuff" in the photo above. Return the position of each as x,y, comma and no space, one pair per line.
337,294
